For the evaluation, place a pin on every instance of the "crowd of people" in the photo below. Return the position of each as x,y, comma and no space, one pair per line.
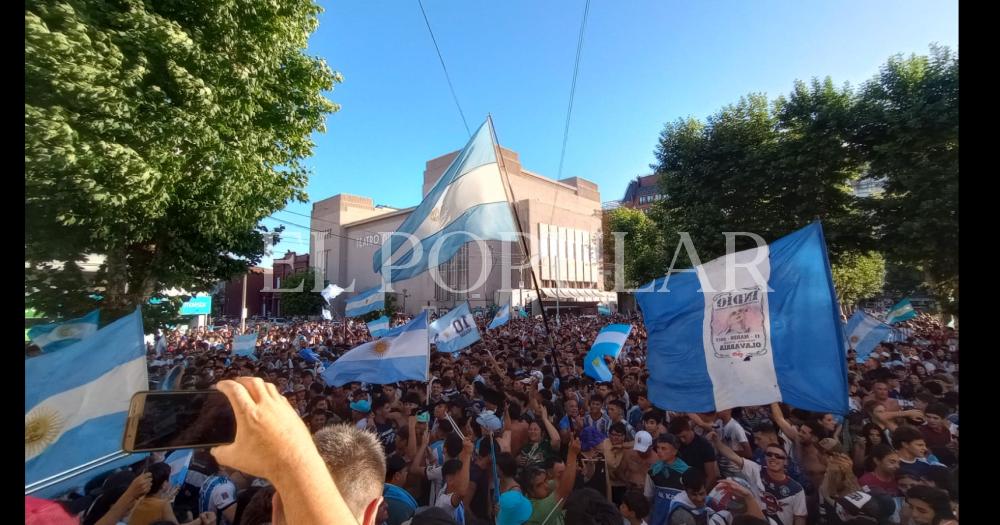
510,431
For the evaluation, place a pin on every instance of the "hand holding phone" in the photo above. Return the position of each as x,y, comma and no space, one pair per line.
166,420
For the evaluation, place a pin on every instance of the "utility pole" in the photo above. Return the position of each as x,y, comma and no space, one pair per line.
243,309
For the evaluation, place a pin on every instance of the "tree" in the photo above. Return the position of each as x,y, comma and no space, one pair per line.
908,127
159,134
642,255
858,277
305,302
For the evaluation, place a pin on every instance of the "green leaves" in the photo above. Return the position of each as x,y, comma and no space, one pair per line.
175,124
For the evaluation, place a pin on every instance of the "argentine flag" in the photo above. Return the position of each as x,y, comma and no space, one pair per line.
50,337
244,345
171,381
455,330
468,201
500,318
771,334
403,355
367,301
609,342
76,400
179,461
903,311
378,327
864,333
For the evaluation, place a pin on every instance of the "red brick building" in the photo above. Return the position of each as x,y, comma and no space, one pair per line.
232,295
284,267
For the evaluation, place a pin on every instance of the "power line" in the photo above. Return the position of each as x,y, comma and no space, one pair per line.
445,68
306,216
572,89
327,232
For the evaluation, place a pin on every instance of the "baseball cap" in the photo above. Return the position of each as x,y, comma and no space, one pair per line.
643,440
362,406
858,505
515,509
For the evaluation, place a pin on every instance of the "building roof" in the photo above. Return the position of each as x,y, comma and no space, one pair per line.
641,186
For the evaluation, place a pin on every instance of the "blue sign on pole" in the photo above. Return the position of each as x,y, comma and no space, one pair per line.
197,306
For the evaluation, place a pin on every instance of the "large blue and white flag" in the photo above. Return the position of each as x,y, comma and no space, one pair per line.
402,355
245,345
179,461
500,318
367,301
771,333
864,333
379,326
902,311
609,342
468,202
54,336
455,330
76,400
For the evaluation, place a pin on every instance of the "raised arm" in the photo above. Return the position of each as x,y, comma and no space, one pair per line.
783,424
724,449
462,480
554,438
565,485
697,420
411,443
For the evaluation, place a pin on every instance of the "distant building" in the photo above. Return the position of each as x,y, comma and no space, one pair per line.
642,192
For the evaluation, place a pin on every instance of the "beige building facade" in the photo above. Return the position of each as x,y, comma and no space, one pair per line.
562,220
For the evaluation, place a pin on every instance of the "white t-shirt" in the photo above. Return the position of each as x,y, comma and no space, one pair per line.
733,435
784,500
217,494
443,501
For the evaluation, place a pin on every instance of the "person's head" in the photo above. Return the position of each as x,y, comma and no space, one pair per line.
907,480
936,414
535,431
764,434
616,410
603,389
651,422
680,426
589,507
436,388
507,464
440,409
923,399
885,460
929,505
616,433
389,391
317,420
356,462
380,407
876,411
395,470
533,483
160,473
881,390
259,510
909,442
776,459
596,405
453,445
450,469
642,399
827,422
634,505
666,447
571,407
872,434
694,483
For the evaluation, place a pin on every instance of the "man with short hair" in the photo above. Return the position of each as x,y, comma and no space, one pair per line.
384,428
912,450
880,393
455,472
663,482
596,417
356,462
399,502
695,450
688,507
642,404
936,432
616,413
780,495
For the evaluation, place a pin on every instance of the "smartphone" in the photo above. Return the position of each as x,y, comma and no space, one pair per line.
166,420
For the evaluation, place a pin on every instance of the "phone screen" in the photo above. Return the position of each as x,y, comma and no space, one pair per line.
171,420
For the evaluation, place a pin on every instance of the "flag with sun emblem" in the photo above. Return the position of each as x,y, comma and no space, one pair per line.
50,337
76,400
402,354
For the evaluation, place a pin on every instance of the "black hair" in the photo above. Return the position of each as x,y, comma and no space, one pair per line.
507,464
652,414
161,473
637,503
453,444
938,409
527,477
618,428
451,467
905,434
679,424
693,479
588,507
937,499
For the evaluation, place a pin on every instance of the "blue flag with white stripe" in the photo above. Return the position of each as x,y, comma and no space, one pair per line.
402,355
467,202
864,333
245,345
455,330
53,336
500,318
609,342
764,328
76,400
171,381
179,461
378,327
902,311
367,301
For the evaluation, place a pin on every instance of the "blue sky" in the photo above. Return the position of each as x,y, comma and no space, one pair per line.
644,63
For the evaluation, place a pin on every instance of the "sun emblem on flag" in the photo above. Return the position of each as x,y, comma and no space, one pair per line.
381,347
67,331
41,428
854,339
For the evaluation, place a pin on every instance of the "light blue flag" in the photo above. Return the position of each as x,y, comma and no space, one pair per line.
771,334
244,345
378,327
501,318
609,342
309,355
864,333
179,461
521,312
172,380
903,311
603,310
367,301
468,202
402,355
455,330
76,400
51,337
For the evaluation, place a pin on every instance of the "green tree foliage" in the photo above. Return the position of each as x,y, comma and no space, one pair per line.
908,127
858,277
159,134
305,302
643,254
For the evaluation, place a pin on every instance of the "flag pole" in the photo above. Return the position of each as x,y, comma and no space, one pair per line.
509,191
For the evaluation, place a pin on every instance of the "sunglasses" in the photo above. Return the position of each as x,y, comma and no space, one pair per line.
775,456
